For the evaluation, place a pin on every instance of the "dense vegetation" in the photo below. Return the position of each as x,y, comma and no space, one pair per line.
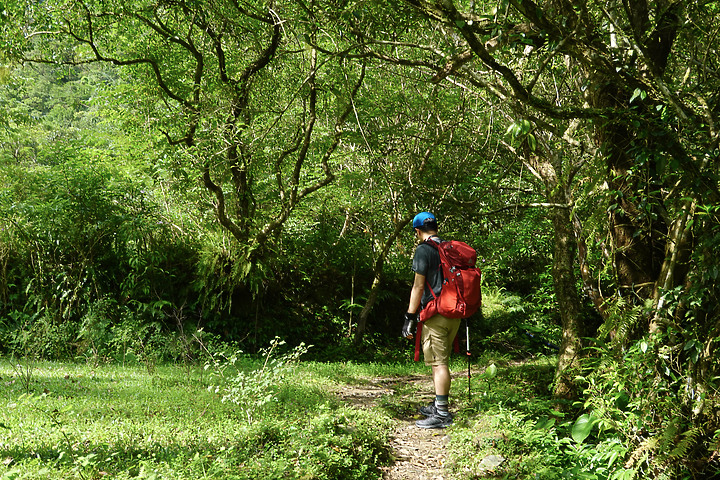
181,174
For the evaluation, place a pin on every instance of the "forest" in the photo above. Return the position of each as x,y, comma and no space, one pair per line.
180,177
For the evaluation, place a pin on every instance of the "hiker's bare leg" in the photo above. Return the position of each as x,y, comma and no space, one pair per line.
441,379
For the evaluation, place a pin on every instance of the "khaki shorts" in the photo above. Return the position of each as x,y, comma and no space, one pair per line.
438,333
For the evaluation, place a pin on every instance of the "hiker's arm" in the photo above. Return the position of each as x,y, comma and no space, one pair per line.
408,330
416,293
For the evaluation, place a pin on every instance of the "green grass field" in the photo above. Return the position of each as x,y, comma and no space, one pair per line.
275,418
62,421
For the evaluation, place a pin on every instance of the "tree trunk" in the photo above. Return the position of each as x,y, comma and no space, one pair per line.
591,289
568,300
367,308
549,170
378,267
676,254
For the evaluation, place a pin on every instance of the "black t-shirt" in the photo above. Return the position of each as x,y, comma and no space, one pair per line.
427,262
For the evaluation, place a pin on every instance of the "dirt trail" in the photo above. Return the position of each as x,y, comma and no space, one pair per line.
419,453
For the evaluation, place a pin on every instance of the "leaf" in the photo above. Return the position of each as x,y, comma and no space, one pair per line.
638,93
525,126
582,427
695,356
490,371
532,141
545,423
622,400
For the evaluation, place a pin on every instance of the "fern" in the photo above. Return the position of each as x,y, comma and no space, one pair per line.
661,452
689,440
621,321
642,453
668,436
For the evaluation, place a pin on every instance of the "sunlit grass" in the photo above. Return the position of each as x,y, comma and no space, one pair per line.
120,422
75,421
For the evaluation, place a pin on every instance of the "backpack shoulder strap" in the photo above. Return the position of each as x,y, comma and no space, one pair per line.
434,243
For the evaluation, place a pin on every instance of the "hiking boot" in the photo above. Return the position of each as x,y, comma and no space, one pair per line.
435,421
428,410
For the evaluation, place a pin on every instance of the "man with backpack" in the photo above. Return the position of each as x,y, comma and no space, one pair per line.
437,332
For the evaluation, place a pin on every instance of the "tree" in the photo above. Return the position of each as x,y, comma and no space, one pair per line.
258,112
422,153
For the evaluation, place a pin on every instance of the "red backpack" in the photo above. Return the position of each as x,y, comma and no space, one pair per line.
460,296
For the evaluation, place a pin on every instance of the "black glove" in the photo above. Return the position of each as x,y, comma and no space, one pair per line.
408,329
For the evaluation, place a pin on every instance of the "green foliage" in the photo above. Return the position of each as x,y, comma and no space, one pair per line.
515,325
103,256
513,428
95,327
81,420
84,236
633,397
88,240
516,257
582,427
622,322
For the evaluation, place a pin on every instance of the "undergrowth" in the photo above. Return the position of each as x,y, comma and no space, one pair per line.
511,427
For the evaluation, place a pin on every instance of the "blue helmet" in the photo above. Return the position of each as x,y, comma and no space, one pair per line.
422,219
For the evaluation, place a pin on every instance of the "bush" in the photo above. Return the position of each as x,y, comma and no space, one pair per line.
253,389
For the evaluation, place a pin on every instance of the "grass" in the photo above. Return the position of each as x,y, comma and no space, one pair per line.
79,422
75,421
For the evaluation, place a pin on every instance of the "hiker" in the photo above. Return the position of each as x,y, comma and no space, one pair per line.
438,332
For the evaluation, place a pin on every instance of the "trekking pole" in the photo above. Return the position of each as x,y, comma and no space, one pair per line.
467,352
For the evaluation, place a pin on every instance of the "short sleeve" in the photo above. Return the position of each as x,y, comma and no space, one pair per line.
421,260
